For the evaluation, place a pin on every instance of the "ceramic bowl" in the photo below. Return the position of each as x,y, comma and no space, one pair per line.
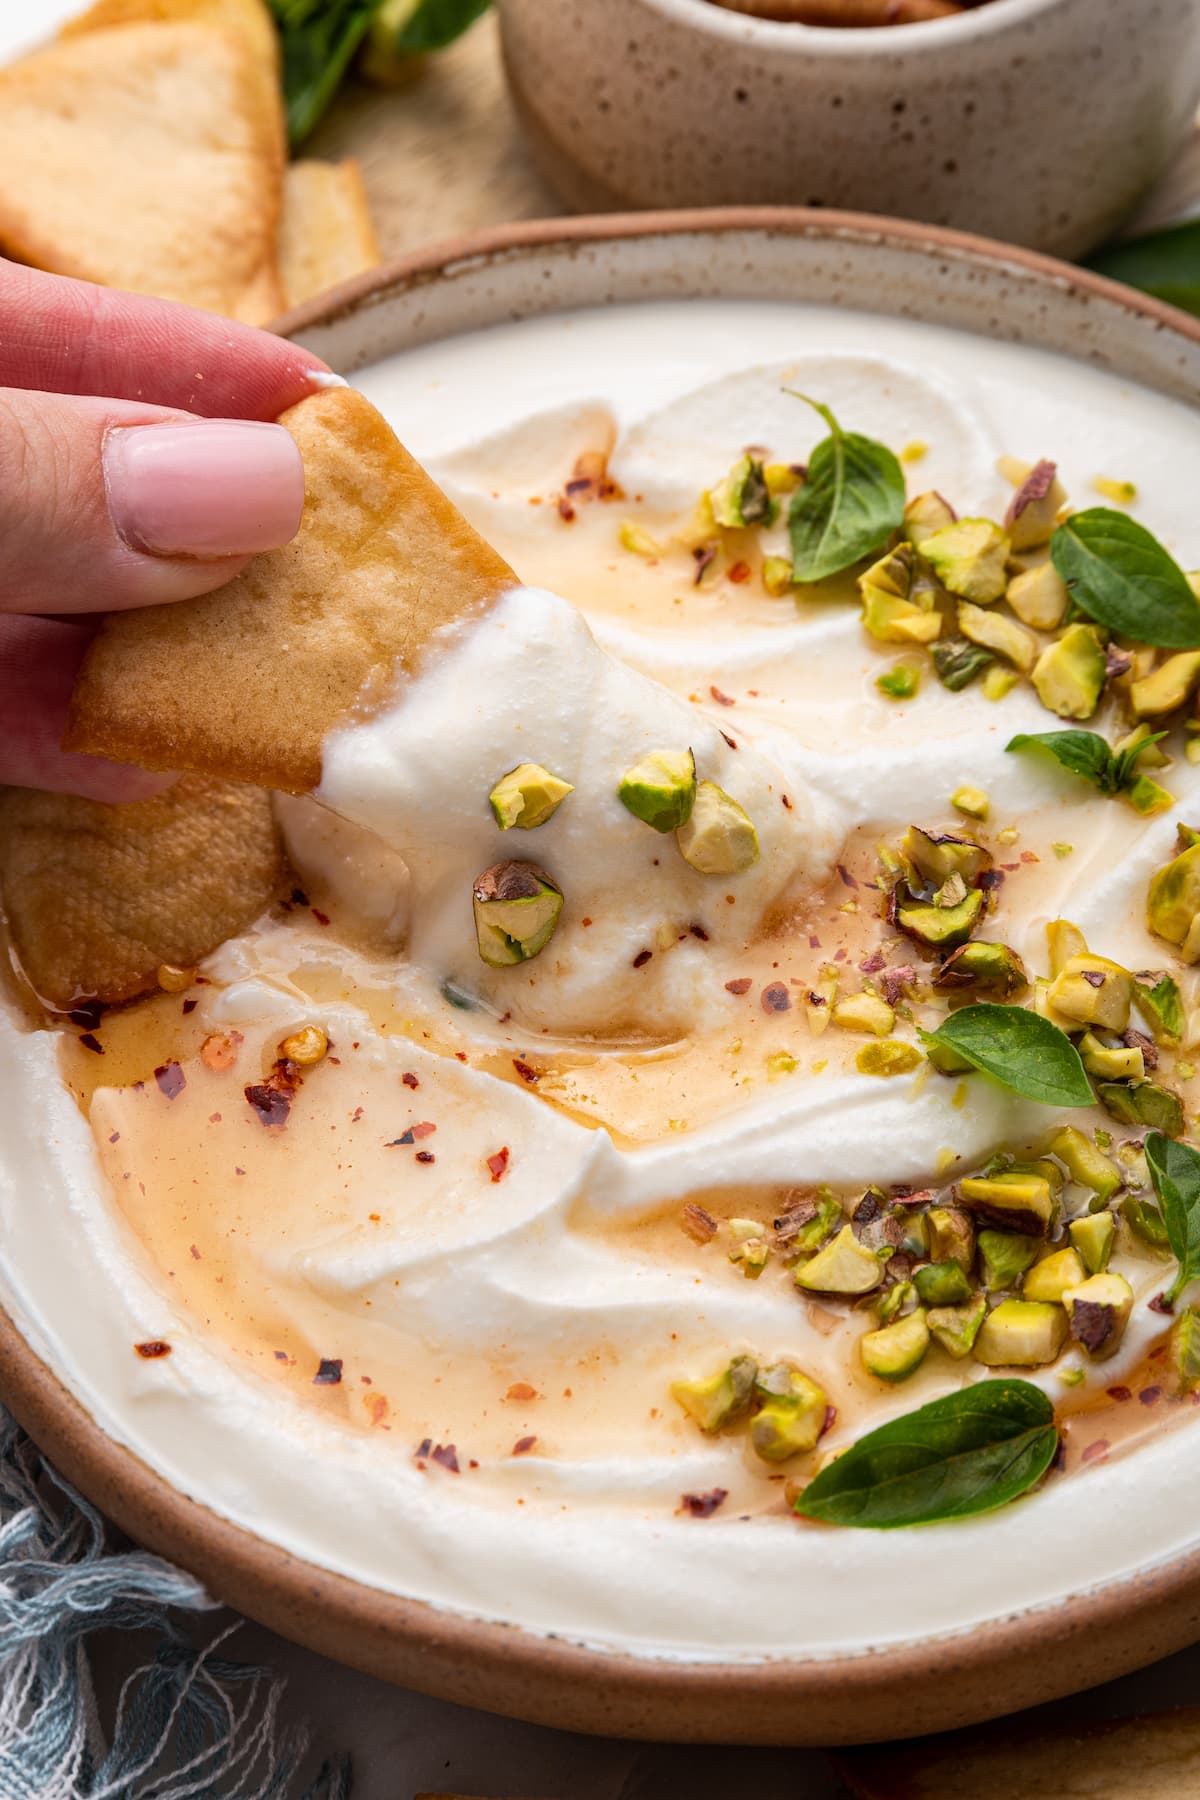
1037,121
924,1683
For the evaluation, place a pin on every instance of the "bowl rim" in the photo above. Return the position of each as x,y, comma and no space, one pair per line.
901,1690
727,26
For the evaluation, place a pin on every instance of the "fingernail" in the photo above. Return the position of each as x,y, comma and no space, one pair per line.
218,487
325,378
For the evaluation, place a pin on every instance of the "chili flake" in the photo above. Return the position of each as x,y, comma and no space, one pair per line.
410,1080
171,1079
329,1372
498,1163
523,1445
703,1506
426,1156
272,1104
720,698
90,1041
447,1455
152,1348
775,998
742,985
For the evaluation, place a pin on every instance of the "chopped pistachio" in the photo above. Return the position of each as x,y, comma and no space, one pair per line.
819,1001
1142,1103
1042,1006
1072,1378
951,1236
1099,1310
753,1254
1070,673
1093,991
715,1400
993,967
1005,1255
527,796
777,575
893,1301
955,1328
1173,903
637,541
743,498
900,683
996,631
1085,1163
1009,835
891,1057
864,1012
1064,941
1145,1221
1050,1277
1185,1350
958,661
517,908
999,681
895,609
1111,1062
1168,687
1161,1002
782,478
1185,1070
1011,1199
1021,1334
938,927
1147,797
924,515
1034,508
916,451
1039,597
781,1062
971,801
718,838
819,1228
791,1417
1092,1239
844,1266
896,1351
936,856
1062,851
969,559
1121,493
660,789
742,1230
942,1284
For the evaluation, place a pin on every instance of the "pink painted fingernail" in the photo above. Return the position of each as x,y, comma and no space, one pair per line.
215,487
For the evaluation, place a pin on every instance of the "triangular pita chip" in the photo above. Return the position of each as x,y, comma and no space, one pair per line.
149,156
248,682
326,234
98,897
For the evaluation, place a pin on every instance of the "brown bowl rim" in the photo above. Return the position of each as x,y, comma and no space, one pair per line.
953,1678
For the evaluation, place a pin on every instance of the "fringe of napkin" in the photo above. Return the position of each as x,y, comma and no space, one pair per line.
190,1725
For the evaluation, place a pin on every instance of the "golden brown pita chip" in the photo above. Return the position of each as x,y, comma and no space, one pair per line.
326,234
98,897
247,682
147,156
1131,1759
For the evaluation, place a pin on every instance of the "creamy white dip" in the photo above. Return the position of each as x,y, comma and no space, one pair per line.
551,1307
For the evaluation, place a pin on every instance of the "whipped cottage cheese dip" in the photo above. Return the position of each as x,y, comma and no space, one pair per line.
534,1321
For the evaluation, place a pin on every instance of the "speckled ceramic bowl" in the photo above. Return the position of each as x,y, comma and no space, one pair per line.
1037,121
924,1683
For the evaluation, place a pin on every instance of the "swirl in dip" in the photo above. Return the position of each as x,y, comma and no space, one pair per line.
426,1299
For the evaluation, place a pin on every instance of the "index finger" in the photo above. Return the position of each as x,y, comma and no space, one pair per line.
70,337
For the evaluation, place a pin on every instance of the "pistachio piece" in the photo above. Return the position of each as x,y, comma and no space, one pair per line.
1173,903
819,1000
888,1058
1069,675
715,1400
660,789
999,680
743,498
517,908
1147,797
1050,1278
1004,1257
937,927
969,558
894,1301
996,631
972,802
951,1236
844,1266
1111,1062
1142,1103
1161,1002
1021,1334
1185,1351
1093,991
1033,509
1039,597
942,1284
925,515
1099,1310
717,838
1064,940
777,576
900,683
1145,1221
791,1417
1168,687
896,609
955,1328
991,967
1012,1199
527,796
1092,1240
896,1351
1085,1163
863,1012
958,661
815,1231
935,856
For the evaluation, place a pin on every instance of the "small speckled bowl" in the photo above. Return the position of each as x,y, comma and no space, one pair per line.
1037,121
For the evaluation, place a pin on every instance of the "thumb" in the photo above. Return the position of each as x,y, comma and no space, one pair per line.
106,504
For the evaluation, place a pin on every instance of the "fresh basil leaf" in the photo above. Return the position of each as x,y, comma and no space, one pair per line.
318,39
1084,753
435,23
1175,1172
1162,1002
849,504
1018,1048
1164,263
967,1453
1121,576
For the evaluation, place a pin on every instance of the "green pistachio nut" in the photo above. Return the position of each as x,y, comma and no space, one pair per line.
716,1400
1004,1257
1173,903
1039,597
1166,688
1092,1240
958,662
517,909
1146,797
937,927
1063,941
743,498
896,609
888,1058
992,968
970,559
1021,1334
1069,675
1161,1003
1050,1278
955,1328
1145,1221
864,1012
844,1266
527,796
1099,1310
925,515
1111,1062
942,1284
1033,510
897,1299
819,1228
791,1417
1085,1163
1185,1351
1142,1103
997,632
935,856
951,1236
896,1351
1011,1200
1093,991
660,789
718,837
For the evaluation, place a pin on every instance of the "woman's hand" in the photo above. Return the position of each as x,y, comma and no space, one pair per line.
160,490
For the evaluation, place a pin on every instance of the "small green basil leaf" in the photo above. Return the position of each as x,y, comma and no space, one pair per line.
1084,753
318,39
1175,1172
1164,263
1121,576
1162,1002
1125,762
435,23
967,1453
1021,1050
849,504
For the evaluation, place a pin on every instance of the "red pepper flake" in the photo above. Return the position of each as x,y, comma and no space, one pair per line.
703,1506
271,1104
189,1006
732,742
460,1056
329,1372
406,1137
585,923
425,1129
281,1356
698,931
356,1115
299,897
521,1390
566,511
1096,1452
1027,856
114,1137
739,572
194,1250
786,801
153,1347
525,1072
426,1156
498,1163
742,985
219,1051
1160,1304
642,958
90,1041
871,965
523,1446
704,555
841,954
1119,1393
447,1455
319,916
410,1080
1150,1396
814,943
699,1224
720,698
88,1013
171,1079
846,878
775,998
